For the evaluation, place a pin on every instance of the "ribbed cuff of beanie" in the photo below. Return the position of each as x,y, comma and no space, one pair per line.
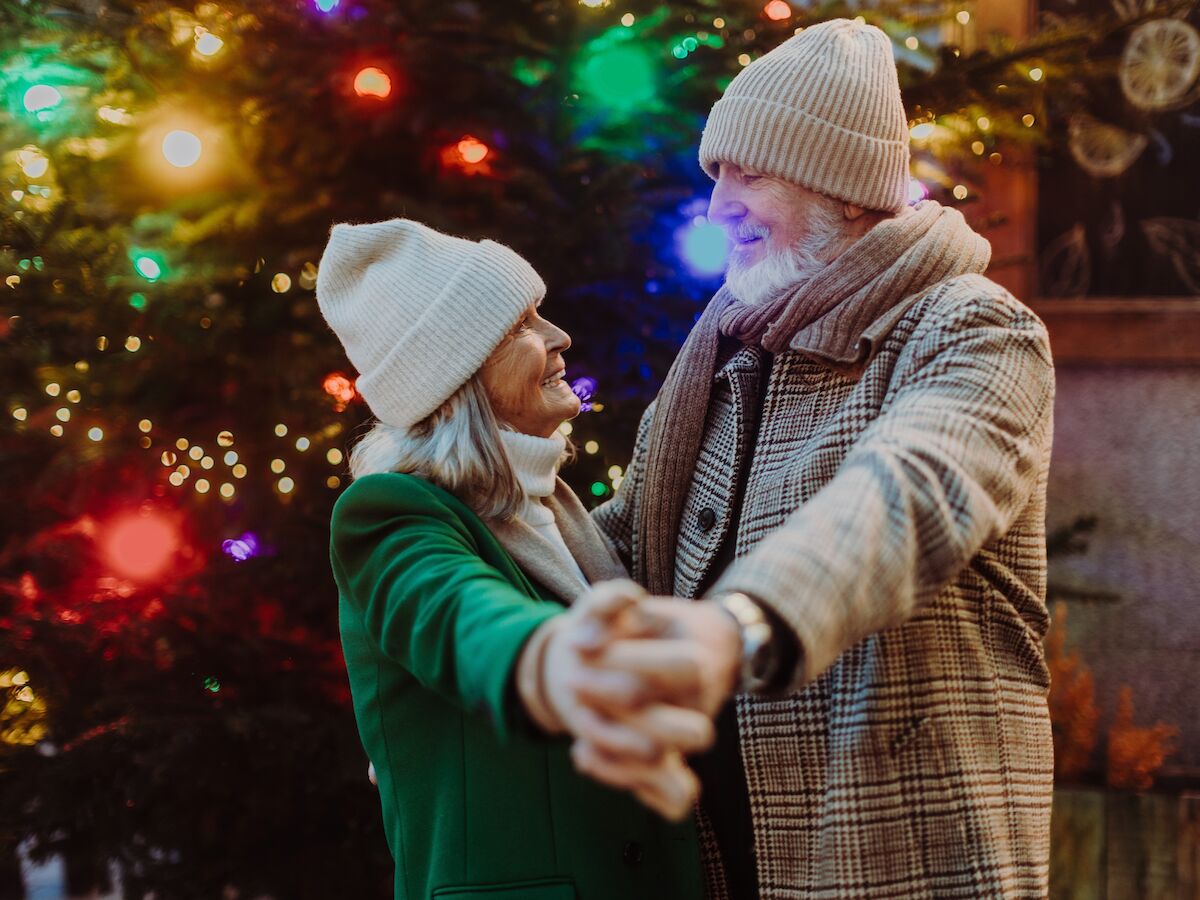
796,146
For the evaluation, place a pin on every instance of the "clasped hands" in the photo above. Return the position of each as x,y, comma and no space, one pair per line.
636,681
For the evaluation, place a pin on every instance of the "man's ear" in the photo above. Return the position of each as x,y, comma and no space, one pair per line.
852,212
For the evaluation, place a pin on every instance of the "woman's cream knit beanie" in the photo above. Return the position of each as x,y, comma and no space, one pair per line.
822,110
418,311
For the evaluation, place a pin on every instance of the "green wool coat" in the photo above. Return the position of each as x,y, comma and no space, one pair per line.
433,615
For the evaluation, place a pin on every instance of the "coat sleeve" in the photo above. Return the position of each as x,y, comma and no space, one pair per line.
617,518
943,470
409,567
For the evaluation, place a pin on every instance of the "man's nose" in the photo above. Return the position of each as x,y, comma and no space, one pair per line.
724,207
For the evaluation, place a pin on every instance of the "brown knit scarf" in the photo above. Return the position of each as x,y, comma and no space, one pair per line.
825,317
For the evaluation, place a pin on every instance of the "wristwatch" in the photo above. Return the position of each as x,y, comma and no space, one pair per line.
759,660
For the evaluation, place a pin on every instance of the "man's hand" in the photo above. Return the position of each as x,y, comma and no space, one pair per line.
647,737
675,651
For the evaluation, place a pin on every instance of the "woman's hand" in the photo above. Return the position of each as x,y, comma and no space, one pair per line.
624,737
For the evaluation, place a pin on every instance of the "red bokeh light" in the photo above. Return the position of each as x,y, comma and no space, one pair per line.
339,387
472,150
777,10
372,82
140,546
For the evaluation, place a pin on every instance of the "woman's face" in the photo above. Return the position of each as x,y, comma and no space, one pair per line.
523,377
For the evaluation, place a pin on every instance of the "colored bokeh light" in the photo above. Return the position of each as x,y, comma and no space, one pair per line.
704,247
339,387
181,148
777,11
242,548
41,97
472,149
327,5
372,82
620,77
148,265
140,546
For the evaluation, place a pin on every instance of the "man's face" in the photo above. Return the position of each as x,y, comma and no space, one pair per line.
762,214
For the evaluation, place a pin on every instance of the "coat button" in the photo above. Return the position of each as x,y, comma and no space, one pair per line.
707,518
633,853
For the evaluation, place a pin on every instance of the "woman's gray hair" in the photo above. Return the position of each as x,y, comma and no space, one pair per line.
457,447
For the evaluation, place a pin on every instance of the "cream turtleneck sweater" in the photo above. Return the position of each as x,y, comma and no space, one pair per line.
535,463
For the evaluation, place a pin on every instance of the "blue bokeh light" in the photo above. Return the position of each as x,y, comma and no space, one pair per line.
704,247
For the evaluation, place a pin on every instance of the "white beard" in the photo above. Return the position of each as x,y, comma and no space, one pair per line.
783,271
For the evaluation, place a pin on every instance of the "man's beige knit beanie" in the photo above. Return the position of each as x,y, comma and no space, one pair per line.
822,110
418,311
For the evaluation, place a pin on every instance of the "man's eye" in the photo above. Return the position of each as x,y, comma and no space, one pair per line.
750,179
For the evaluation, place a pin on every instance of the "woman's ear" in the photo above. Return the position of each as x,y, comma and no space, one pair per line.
852,212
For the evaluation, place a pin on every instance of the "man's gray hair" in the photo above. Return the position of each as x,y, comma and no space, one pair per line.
457,447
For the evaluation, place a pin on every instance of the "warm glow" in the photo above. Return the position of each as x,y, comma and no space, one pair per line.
472,150
372,82
140,545
181,148
777,11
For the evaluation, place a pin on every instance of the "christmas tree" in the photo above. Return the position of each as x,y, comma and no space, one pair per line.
177,417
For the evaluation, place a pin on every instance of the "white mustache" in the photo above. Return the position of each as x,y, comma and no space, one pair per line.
746,232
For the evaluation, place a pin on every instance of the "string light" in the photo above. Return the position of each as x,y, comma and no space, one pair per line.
1027,120
133,343
472,150
225,439
963,17
33,162
20,414
594,4
182,148
53,389
984,123
56,430
704,247
591,447
1035,74
777,11
372,81
102,343
41,97
63,414
175,478
281,283
960,192
207,43
74,396
977,148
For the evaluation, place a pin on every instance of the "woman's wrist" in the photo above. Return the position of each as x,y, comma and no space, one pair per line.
531,678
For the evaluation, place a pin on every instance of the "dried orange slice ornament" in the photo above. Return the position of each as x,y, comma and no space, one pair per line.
1160,64
1102,150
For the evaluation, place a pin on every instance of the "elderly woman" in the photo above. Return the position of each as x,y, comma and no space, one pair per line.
463,566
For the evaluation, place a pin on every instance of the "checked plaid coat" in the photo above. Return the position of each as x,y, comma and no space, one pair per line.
893,517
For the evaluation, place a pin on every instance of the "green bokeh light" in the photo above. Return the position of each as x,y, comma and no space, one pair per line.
599,488
148,264
619,76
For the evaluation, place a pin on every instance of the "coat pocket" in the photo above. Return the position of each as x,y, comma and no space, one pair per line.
538,889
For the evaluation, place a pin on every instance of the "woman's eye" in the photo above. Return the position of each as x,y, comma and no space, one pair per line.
750,179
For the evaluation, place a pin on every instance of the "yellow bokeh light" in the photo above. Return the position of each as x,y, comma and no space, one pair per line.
565,429
182,148
182,443
202,485
281,282
175,478
977,148
984,123
82,365
73,396
96,434
133,343
718,22
207,43
53,389
238,471
1035,74
911,42
302,444
145,425
628,20
227,490
168,458
33,162
56,430
196,452
183,470
960,191
62,414
281,430
615,472
744,59
591,447
334,456
333,482
278,465
20,414
963,17
1027,120
207,462
285,485
225,439
102,343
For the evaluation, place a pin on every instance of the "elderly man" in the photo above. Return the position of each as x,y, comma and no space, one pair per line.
847,464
